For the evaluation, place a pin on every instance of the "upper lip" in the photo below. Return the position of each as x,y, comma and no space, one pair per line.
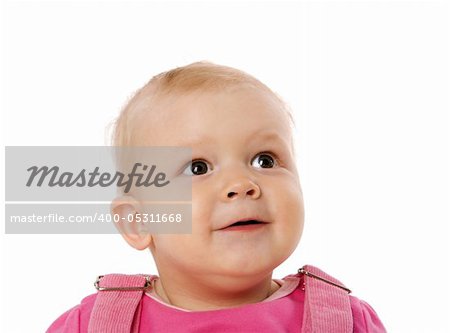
254,218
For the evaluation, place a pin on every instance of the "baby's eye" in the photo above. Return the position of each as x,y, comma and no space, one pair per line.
264,160
197,167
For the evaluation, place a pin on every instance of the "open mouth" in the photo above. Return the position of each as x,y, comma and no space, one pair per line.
245,225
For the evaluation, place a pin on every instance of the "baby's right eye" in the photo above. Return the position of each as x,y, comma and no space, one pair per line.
197,167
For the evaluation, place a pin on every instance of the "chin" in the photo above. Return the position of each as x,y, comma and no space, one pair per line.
249,266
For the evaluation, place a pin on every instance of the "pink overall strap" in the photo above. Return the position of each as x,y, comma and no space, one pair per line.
327,306
118,303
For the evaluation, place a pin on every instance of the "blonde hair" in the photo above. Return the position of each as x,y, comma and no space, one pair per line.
202,75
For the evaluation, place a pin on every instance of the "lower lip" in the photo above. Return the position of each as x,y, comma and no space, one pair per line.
248,227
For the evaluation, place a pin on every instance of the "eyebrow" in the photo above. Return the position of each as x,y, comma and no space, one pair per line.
267,135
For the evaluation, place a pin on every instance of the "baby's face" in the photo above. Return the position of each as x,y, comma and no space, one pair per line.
242,168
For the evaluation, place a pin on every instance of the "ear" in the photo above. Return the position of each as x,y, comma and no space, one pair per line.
126,211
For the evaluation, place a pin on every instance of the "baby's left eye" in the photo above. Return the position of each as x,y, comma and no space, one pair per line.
264,160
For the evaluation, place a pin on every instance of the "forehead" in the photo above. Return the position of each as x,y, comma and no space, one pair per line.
200,117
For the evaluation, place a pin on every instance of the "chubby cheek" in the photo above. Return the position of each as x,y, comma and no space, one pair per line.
179,250
189,247
168,244
201,212
290,214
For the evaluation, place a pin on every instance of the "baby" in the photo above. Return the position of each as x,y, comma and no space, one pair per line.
247,219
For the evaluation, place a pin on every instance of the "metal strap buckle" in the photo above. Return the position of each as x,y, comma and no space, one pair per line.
146,286
305,272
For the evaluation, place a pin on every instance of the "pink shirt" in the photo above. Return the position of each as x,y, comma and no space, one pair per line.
280,312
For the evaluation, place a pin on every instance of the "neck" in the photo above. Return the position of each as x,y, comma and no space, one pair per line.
198,296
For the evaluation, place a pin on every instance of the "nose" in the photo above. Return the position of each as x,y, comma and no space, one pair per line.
242,187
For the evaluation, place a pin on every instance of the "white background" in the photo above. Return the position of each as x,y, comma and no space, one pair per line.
369,84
